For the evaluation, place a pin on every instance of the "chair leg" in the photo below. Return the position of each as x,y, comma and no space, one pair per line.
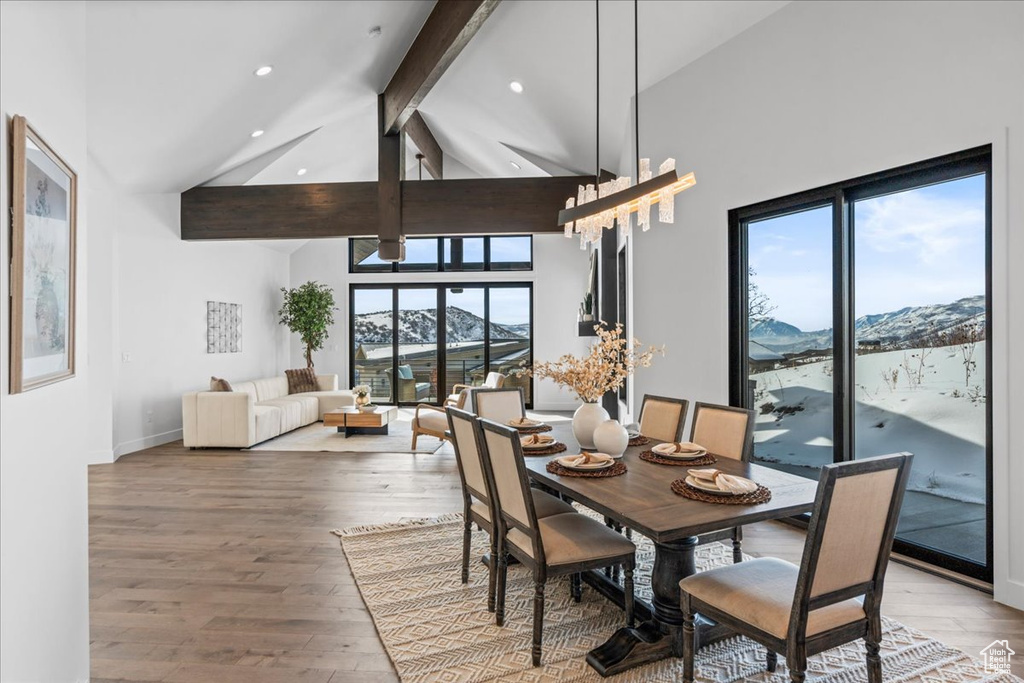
772,661
415,435
499,606
467,539
629,533
689,638
871,640
492,572
576,586
797,662
737,545
538,620
627,588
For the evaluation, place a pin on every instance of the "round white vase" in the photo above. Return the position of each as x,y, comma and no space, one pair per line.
611,437
585,421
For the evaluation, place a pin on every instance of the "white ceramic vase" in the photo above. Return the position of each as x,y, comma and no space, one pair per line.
585,421
611,437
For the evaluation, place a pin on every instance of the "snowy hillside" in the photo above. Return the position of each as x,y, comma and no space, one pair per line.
420,326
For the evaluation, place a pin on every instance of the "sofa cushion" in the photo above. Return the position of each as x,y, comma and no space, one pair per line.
271,387
405,372
434,420
296,411
301,380
268,422
247,388
218,384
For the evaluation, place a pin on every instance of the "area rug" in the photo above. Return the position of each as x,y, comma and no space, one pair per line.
434,628
316,437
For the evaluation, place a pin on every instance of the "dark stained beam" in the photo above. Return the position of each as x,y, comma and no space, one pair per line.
390,171
417,130
448,29
435,207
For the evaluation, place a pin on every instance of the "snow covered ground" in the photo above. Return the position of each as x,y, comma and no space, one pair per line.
916,400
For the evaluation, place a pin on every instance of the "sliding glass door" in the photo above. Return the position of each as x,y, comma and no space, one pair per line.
859,327
414,343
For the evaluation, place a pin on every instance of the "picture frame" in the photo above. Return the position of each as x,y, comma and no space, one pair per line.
44,212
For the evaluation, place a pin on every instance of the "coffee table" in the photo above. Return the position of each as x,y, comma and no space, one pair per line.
352,421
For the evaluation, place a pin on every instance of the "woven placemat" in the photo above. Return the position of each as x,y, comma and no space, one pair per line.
761,495
651,456
615,470
639,440
533,430
556,447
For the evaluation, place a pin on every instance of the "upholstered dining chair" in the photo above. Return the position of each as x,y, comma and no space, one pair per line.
500,405
557,545
494,380
478,502
663,418
834,596
728,432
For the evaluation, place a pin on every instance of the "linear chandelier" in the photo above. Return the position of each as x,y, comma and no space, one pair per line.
599,206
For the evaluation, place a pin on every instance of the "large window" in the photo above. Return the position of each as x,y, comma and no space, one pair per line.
859,326
447,254
414,343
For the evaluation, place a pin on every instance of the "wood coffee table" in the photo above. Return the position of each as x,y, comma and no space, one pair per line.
352,421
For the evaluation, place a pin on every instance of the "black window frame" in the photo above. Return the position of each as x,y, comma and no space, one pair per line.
841,197
488,265
442,324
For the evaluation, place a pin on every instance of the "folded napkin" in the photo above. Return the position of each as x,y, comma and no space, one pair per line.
685,447
585,458
522,421
725,482
536,439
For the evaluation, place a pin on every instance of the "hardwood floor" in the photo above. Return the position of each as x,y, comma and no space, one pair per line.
219,566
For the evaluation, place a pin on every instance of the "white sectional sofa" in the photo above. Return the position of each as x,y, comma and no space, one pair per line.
256,411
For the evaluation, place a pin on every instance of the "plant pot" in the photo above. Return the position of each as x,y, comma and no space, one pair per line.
585,420
611,437
587,318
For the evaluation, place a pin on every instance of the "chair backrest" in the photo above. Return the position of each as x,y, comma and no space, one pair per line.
723,430
494,380
663,418
499,405
850,535
506,472
468,454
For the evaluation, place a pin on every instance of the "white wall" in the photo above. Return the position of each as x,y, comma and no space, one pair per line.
162,289
818,93
44,619
559,278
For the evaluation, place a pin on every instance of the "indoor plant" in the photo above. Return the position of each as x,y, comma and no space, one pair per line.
611,360
362,394
308,311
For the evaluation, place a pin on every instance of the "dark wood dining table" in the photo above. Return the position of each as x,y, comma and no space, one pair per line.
642,500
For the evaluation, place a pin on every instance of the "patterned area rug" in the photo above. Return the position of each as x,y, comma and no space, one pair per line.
437,629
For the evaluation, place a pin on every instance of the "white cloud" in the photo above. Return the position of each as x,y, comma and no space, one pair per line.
925,228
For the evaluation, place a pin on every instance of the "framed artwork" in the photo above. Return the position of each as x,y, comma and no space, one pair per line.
44,205
223,327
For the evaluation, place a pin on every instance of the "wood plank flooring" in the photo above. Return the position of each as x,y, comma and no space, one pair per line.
219,566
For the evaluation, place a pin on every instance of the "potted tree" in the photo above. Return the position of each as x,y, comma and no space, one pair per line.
308,311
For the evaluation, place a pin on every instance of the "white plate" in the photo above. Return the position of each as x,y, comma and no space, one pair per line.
526,424
583,468
705,485
679,456
545,443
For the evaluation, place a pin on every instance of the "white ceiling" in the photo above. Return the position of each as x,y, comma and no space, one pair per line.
173,98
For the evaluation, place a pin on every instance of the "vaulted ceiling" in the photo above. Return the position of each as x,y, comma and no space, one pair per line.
173,98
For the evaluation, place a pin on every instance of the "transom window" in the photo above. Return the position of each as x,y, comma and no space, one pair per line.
445,254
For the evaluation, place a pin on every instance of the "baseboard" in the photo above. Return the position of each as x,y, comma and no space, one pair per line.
146,442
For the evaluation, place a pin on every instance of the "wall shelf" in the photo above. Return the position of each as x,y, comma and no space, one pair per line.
587,329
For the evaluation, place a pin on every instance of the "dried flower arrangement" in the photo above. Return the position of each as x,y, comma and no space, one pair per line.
362,394
611,360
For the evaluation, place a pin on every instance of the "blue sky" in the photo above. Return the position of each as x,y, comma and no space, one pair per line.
913,248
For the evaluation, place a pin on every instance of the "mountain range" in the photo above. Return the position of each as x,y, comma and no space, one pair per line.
896,327
420,327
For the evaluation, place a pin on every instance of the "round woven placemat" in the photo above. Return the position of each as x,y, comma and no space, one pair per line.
651,456
533,430
615,470
639,440
556,447
761,495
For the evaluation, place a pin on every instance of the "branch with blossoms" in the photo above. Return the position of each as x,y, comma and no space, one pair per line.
611,360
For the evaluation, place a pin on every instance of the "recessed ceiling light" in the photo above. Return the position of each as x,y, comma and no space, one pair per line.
516,166
516,87
301,171
256,133
263,70
374,32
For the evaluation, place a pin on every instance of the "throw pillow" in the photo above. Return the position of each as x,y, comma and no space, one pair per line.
217,384
302,380
404,372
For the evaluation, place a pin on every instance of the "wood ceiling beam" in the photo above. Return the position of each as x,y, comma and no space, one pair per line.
390,172
320,210
418,131
448,29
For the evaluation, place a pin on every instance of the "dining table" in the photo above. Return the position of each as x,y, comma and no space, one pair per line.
642,500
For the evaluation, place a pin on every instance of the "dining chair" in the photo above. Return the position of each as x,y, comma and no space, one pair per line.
500,405
834,596
728,432
478,503
552,546
663,418
494,380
